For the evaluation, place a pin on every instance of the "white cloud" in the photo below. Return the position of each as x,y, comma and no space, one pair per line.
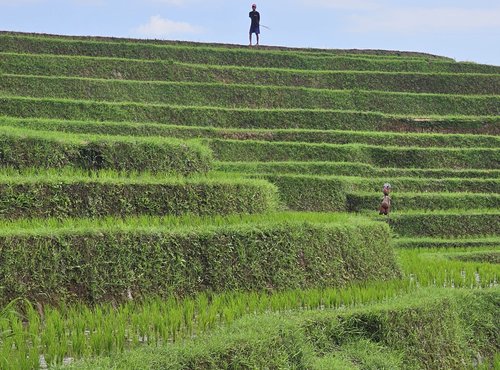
411,20
159,27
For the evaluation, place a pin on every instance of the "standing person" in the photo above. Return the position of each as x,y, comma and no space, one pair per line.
255,26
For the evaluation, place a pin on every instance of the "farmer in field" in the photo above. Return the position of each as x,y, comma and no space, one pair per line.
385,205
255,25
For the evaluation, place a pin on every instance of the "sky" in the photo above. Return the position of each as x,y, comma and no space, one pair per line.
466,30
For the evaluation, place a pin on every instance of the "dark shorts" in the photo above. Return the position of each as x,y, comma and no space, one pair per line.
255,29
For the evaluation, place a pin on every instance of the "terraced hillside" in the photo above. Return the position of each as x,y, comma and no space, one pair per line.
225,199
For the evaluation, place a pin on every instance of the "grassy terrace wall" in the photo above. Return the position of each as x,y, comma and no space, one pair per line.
335,193
235,150
114,250
429,201
322,52
355,169
243,118
77,195
292,135
221,95
133,69
102,261
410,243
25,148
441,329
450,224
218,56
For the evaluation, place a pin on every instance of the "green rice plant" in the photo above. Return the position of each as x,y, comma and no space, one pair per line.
428,327
78,331
439,267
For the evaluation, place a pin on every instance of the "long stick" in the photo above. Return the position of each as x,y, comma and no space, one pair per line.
265,27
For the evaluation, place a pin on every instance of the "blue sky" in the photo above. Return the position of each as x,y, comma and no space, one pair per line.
464,30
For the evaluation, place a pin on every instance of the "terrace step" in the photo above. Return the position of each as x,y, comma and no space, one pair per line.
354,169
268,97
358,201
398,157
75,194
225,56
446,224
22,148
410,243
113,258
146,70
384,54
284,135
243,118
330,193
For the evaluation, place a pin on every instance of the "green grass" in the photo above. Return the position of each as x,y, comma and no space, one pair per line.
420,242
108,260
242,117
423,201
384,54
222,95
189,222
399,157
76,194
230,283
219,56
133,69
492,256
114,328
447,224
22,148
331,193
292,135
359,169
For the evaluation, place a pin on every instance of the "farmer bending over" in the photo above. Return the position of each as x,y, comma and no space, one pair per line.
255,26
385,206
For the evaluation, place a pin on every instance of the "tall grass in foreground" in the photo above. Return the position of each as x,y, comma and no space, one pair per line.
439,267
78,330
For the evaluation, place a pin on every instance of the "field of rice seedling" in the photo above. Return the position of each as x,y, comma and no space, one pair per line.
183,205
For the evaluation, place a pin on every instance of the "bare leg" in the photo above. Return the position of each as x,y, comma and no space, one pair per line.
257,39
250,38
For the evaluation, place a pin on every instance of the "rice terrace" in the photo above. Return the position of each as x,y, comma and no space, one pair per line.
181,205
